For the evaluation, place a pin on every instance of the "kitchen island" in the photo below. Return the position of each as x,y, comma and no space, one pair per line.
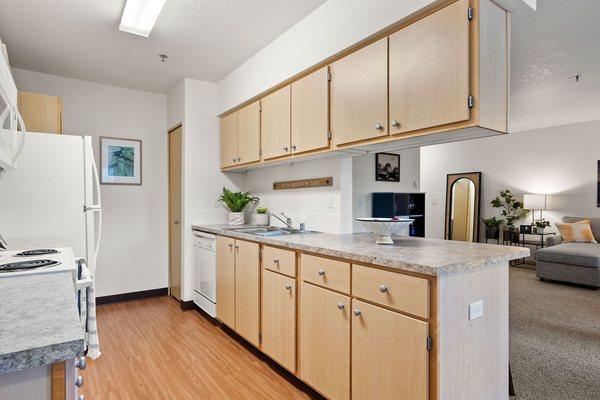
420,319
40,331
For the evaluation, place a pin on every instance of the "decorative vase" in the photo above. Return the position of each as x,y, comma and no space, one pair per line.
262,219
236,218
542,231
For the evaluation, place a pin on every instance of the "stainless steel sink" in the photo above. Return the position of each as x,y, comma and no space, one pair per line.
270,231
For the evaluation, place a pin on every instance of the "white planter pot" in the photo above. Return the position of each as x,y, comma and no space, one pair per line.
262,219
236,218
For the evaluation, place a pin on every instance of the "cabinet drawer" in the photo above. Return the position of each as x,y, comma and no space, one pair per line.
279,260
332,274
401,292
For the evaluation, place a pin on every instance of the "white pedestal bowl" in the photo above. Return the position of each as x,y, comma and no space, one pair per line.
384,228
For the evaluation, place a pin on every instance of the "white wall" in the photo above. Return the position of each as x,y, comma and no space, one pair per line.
334,26
133,251
194,103
365,183
560,161
324,209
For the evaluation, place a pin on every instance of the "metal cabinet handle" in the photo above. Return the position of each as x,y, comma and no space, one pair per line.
341,306
81,363
357,312
395,124
383,288
379,127
79,381
288,286
321,272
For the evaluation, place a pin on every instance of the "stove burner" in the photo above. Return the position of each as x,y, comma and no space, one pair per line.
26,265
36,252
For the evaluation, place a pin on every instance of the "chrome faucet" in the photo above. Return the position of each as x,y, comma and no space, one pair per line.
287,222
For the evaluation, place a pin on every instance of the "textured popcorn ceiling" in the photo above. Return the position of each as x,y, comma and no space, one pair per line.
204,39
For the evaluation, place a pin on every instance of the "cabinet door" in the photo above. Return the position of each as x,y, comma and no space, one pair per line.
248,133
229,140
247,291
389,355
310,112
429,70
279,318
325,341
275,124
359,94
40,112
226,281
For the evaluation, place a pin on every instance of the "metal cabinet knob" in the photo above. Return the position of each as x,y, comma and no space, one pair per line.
285,148
288,286
379,127
276,261
239,159
233,159
383,288
357,312
81,397
79,381
341,306
321,272
81,363
237,246
230,245
294,147
395,124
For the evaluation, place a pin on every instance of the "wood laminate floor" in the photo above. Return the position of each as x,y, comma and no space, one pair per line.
153,350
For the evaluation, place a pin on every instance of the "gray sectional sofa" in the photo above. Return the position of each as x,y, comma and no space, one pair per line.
577,263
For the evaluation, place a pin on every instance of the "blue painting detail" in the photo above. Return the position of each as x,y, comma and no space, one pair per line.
121,161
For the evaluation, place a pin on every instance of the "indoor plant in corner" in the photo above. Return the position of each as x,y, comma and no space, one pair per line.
512,210
235,203
262,216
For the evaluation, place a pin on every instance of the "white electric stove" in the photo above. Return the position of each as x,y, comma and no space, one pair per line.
37,261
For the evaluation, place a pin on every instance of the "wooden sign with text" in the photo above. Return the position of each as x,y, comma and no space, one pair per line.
303,183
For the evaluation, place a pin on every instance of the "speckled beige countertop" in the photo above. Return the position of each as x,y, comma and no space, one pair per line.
425,256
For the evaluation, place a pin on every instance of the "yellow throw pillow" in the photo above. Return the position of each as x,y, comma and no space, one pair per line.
580,232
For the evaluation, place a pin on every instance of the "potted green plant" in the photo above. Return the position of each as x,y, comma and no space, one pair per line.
236,202
262,216
492,227
541,226
512,211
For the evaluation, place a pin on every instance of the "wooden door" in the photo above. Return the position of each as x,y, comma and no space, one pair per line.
359,94
226,280
247,291
275,124
310,112
40,112
429,71
279,318
389,355
175,213
229,139
248,133
324,341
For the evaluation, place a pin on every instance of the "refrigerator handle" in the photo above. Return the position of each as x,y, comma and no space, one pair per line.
97,207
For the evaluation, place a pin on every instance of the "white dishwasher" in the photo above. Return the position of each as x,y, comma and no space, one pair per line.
205,272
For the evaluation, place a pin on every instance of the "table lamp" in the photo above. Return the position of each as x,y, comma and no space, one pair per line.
535,202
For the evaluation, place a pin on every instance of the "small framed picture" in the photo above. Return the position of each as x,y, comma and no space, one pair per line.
387,167
120,161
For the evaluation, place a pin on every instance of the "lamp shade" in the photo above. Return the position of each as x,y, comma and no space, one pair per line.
535,202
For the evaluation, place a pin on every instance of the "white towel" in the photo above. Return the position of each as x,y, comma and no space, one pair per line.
90,321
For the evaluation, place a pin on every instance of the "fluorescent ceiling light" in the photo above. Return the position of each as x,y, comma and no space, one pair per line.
139,16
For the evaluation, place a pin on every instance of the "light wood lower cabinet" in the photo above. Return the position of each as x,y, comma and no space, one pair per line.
226,281
390,360
324,341
238,287
279,318
247,291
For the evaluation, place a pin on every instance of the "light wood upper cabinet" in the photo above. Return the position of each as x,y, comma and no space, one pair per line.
275,123
324,341
279,318
359,94
248,133
389,355
247,290
429,71
229,140
40,112
226,280
310,112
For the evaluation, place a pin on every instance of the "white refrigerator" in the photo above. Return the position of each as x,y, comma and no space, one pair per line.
53,198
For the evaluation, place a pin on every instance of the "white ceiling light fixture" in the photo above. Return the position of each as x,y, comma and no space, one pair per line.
139,16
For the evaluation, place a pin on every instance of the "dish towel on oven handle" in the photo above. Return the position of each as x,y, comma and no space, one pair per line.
91,327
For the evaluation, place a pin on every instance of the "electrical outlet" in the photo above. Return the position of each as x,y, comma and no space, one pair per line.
475,310
329,201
